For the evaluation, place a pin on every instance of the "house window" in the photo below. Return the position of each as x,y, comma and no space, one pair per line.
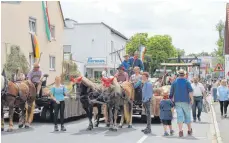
67,48
52,30
32,25
112,50
52,62
31,59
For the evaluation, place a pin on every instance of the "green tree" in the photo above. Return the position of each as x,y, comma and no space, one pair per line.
135,42
220,43
180,52
14,60
160,48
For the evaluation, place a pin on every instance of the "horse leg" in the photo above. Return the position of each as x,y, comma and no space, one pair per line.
11,115
106,115
2,118
110,117
115,119
131,114
22,116
98,115
122,117
30,113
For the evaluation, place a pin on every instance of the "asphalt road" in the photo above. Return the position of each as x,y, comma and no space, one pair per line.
223,123
43,133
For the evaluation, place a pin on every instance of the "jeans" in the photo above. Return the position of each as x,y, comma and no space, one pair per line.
198,103
214,92
183,112
59,108
223,106
147,106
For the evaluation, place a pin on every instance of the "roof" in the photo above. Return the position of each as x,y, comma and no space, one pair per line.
112,29
61,12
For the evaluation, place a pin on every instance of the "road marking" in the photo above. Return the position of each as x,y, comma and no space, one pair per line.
142,139
218,137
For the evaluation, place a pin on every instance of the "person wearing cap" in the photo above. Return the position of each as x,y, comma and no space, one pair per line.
35,76
136,62
181,93
121,75
126,63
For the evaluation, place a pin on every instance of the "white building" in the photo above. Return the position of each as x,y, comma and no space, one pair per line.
92,44
20,19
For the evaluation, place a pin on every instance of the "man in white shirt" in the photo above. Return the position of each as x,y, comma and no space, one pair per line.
198,94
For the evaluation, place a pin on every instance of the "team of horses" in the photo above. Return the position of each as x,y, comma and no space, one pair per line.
111,96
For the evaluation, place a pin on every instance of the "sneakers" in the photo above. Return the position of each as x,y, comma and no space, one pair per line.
190,132
181,134
171,132
56,128
166,134
225,115
199,119
63,128
194,120
146,131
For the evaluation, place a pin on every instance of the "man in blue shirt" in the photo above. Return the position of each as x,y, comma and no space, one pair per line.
182,94
126,63
136,62
147,93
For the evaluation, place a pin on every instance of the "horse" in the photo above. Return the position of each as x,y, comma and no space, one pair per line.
89,92
20,94
118,97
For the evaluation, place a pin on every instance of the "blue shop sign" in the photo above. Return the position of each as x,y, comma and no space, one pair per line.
91,60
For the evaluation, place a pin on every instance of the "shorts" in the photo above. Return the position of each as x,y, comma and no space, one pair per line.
183,110
166,122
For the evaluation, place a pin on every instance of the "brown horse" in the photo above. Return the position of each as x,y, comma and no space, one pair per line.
118,97
20,94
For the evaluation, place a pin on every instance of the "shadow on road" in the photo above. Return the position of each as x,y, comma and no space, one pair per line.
183,138
201,123
91,132
16,131
119,132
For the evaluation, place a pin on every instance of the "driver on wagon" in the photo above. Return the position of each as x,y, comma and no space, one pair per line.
121,75
35,76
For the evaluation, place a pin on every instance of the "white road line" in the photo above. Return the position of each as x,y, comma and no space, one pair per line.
218,137
142,139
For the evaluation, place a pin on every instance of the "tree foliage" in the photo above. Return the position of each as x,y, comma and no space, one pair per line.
158,49
218,52
16,59
135,42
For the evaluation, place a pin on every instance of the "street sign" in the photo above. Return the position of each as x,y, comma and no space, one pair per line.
218,68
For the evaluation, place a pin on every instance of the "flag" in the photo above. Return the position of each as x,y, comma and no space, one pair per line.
35,46
46,19
142,53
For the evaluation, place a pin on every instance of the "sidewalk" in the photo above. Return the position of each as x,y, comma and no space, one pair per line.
223,123
203,132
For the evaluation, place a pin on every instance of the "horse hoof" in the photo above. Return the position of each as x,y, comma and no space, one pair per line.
120,126
108,125
2,129
10,130
96,125
27,126
129,126
20,126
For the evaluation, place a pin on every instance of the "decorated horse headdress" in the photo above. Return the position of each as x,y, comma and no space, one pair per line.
107,81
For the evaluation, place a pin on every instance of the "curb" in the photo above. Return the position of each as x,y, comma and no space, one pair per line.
218,137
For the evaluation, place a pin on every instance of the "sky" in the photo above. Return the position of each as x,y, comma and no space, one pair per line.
190,23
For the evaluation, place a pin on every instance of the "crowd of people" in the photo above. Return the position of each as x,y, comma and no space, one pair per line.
185,96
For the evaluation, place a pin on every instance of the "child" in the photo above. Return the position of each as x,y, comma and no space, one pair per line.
166,114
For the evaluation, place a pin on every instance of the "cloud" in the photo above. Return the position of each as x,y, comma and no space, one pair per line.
191,23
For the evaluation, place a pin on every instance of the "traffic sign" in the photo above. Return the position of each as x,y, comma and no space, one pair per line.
218,67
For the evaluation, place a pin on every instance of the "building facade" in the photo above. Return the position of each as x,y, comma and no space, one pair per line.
20,19
94,44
